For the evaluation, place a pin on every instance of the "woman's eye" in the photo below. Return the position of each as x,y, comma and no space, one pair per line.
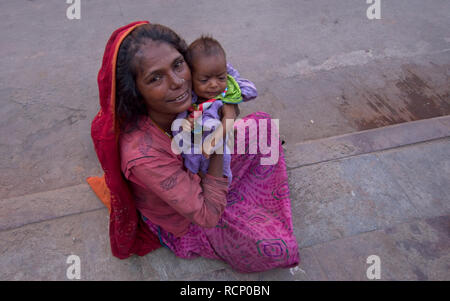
179,64
154,79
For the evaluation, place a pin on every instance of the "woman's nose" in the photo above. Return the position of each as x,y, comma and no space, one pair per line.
176,81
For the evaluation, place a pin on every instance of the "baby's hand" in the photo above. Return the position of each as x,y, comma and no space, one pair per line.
205,154
191,120
188,124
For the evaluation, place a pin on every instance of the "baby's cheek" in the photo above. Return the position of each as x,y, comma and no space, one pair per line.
199,90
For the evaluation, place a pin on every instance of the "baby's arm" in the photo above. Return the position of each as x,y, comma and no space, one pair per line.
248,89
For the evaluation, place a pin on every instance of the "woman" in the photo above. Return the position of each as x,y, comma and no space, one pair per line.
144,83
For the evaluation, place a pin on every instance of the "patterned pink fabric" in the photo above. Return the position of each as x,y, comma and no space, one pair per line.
255,231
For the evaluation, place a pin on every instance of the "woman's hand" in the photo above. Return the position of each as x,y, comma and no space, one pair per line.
228,116
230,111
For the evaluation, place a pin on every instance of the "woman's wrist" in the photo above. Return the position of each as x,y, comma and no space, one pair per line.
229,115
216,165
230,111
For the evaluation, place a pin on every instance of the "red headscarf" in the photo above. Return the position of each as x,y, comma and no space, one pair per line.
128,233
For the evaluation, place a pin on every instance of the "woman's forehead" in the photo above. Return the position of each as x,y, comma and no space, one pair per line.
154,56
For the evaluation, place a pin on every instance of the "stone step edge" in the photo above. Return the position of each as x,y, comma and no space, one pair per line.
37,207
368,141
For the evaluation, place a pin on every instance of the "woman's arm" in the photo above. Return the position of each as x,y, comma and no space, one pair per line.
202,201
215,165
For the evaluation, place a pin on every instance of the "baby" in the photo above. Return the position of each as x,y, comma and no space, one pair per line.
215,83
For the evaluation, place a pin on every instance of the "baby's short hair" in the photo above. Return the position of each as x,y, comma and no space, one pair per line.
203,46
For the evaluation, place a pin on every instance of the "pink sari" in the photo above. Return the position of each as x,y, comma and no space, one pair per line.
255,231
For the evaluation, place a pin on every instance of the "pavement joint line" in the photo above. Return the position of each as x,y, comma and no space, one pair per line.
322,269
368,153
400,187
406,221
51,219
353,235
377,129
43,191
429,129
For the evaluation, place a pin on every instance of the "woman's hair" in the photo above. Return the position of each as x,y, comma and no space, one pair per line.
203,46
130,104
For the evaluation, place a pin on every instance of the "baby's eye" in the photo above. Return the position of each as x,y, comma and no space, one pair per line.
203,81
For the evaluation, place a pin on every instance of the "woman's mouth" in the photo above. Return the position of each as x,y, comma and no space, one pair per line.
183,97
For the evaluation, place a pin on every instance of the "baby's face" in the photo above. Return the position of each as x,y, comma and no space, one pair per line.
209,76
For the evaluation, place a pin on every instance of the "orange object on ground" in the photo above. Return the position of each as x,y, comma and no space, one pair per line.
100,188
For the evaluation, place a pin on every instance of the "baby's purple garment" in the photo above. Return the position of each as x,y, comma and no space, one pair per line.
197,162
248,89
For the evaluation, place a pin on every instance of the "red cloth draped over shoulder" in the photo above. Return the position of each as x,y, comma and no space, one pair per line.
128,233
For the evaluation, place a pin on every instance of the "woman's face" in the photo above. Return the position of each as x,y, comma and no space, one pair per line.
163,78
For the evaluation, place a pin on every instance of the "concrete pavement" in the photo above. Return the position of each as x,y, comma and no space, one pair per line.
327,72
